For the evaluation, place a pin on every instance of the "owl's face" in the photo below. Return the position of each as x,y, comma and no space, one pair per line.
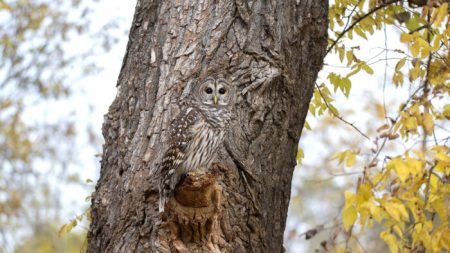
215,92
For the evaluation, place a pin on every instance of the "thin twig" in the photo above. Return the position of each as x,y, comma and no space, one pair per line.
333,176
385,73
370,12
367,63
339,117
420,28
427,191
360,245
350,14
425,85
426,107
390,129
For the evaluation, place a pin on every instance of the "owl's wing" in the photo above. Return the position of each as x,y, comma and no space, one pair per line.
180,136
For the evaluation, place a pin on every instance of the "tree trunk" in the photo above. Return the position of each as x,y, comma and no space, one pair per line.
271,51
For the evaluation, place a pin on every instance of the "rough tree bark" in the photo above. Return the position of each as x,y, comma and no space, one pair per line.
271,51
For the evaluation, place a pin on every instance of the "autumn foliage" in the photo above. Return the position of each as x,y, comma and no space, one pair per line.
403,189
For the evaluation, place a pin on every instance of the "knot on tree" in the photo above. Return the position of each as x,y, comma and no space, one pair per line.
192,217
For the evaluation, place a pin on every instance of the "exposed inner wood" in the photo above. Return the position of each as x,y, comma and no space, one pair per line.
192,217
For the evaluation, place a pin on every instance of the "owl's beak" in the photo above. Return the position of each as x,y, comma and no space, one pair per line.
216,100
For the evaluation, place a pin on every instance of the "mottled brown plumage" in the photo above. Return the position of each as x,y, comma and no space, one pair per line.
196,134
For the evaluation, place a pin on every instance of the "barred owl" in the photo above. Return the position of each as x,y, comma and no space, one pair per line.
196,134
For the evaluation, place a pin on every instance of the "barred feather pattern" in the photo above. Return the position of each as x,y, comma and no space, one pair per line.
195,136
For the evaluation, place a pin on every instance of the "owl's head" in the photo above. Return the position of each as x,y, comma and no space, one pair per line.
215,92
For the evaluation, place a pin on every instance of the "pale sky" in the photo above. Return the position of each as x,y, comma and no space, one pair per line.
99,91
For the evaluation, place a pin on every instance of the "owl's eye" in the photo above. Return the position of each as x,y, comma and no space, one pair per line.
209,90
222,91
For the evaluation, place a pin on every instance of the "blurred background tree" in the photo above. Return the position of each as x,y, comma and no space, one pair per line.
48,48
47,240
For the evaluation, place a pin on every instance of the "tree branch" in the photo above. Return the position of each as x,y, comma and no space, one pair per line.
359,20
339,117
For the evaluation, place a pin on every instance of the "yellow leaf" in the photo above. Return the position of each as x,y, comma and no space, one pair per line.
66,228
340,249
5,6
428,124
349,55
390,240
445,240
424,46
414,166
415,111
351,159
405,37
398,230
400,168
415,49
366,68
307,126
380,113
349,156
441,13
360,32
440,149
400,64
446,111
442,157
339,155
441,209
411,123
350,198
348,217
414,73
396,211
364,193
437,42
397,79
299,156
353,72
341,52
376,212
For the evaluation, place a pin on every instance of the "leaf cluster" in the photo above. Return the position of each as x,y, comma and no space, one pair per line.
403,191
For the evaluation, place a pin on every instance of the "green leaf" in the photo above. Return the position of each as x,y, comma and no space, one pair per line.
66,228
412,24
300,156
400,64
366,68
446,111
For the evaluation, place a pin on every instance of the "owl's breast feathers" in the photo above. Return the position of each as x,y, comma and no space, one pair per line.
195,135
